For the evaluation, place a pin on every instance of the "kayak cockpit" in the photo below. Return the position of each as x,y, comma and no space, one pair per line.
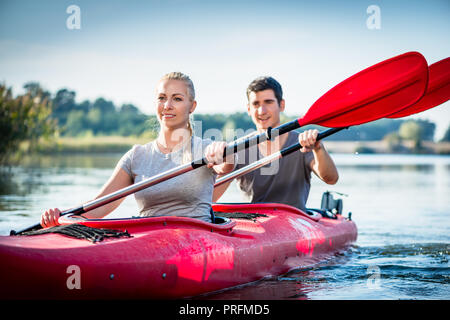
222,225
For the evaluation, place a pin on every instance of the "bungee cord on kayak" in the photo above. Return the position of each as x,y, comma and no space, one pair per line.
240,215
80,231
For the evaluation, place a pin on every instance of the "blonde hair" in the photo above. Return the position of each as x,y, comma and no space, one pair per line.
187,152
182,77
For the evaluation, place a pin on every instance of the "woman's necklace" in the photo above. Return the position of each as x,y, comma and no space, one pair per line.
163,148
167,150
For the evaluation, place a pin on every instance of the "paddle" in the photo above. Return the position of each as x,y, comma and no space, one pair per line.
438,92
371,95
401,79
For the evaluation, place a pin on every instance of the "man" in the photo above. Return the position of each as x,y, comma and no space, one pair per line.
289,180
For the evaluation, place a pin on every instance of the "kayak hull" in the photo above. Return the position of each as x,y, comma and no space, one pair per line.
169,257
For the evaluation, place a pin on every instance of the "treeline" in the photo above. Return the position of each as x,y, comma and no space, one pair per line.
387,128
103,117
100,117
38,112
422,130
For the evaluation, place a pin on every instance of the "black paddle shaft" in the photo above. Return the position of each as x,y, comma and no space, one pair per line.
239,145
320,136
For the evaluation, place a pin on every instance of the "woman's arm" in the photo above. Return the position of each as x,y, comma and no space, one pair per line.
118,180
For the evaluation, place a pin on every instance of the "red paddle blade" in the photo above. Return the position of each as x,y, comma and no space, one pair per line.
371,94
438,90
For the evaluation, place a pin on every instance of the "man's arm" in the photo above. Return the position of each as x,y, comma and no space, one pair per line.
322,164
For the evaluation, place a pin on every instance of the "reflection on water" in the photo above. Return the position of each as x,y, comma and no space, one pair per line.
7,183
46,182
72,161
400,204
393,167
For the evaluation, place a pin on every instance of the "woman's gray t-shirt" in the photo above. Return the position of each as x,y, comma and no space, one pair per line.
286,180
187,195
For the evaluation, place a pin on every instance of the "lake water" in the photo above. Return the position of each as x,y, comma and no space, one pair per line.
400,203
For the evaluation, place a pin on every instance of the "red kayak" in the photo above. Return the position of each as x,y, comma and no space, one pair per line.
169,257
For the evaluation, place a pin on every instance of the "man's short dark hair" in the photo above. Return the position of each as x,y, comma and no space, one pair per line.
264,83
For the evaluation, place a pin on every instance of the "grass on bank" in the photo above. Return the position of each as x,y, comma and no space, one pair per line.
88,144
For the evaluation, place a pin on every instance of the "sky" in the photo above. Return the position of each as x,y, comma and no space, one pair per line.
122,48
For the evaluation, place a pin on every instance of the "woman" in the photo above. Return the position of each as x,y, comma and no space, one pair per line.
189,194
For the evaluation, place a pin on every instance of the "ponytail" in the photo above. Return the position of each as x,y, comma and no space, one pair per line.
187,149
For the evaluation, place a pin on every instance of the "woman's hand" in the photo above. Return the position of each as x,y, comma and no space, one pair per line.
50,218
308,140
214,155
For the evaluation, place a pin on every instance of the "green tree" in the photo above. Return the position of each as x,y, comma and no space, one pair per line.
394,141
94,120
129,109
34,89
446,137
104,106
132,121
110,123
229,131
85,106
412,130
24,118
63,104
428,129
76,123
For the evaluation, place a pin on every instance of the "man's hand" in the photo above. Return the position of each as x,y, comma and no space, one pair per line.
308,140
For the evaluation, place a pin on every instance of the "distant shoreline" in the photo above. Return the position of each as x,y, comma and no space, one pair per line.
382,147
119,144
